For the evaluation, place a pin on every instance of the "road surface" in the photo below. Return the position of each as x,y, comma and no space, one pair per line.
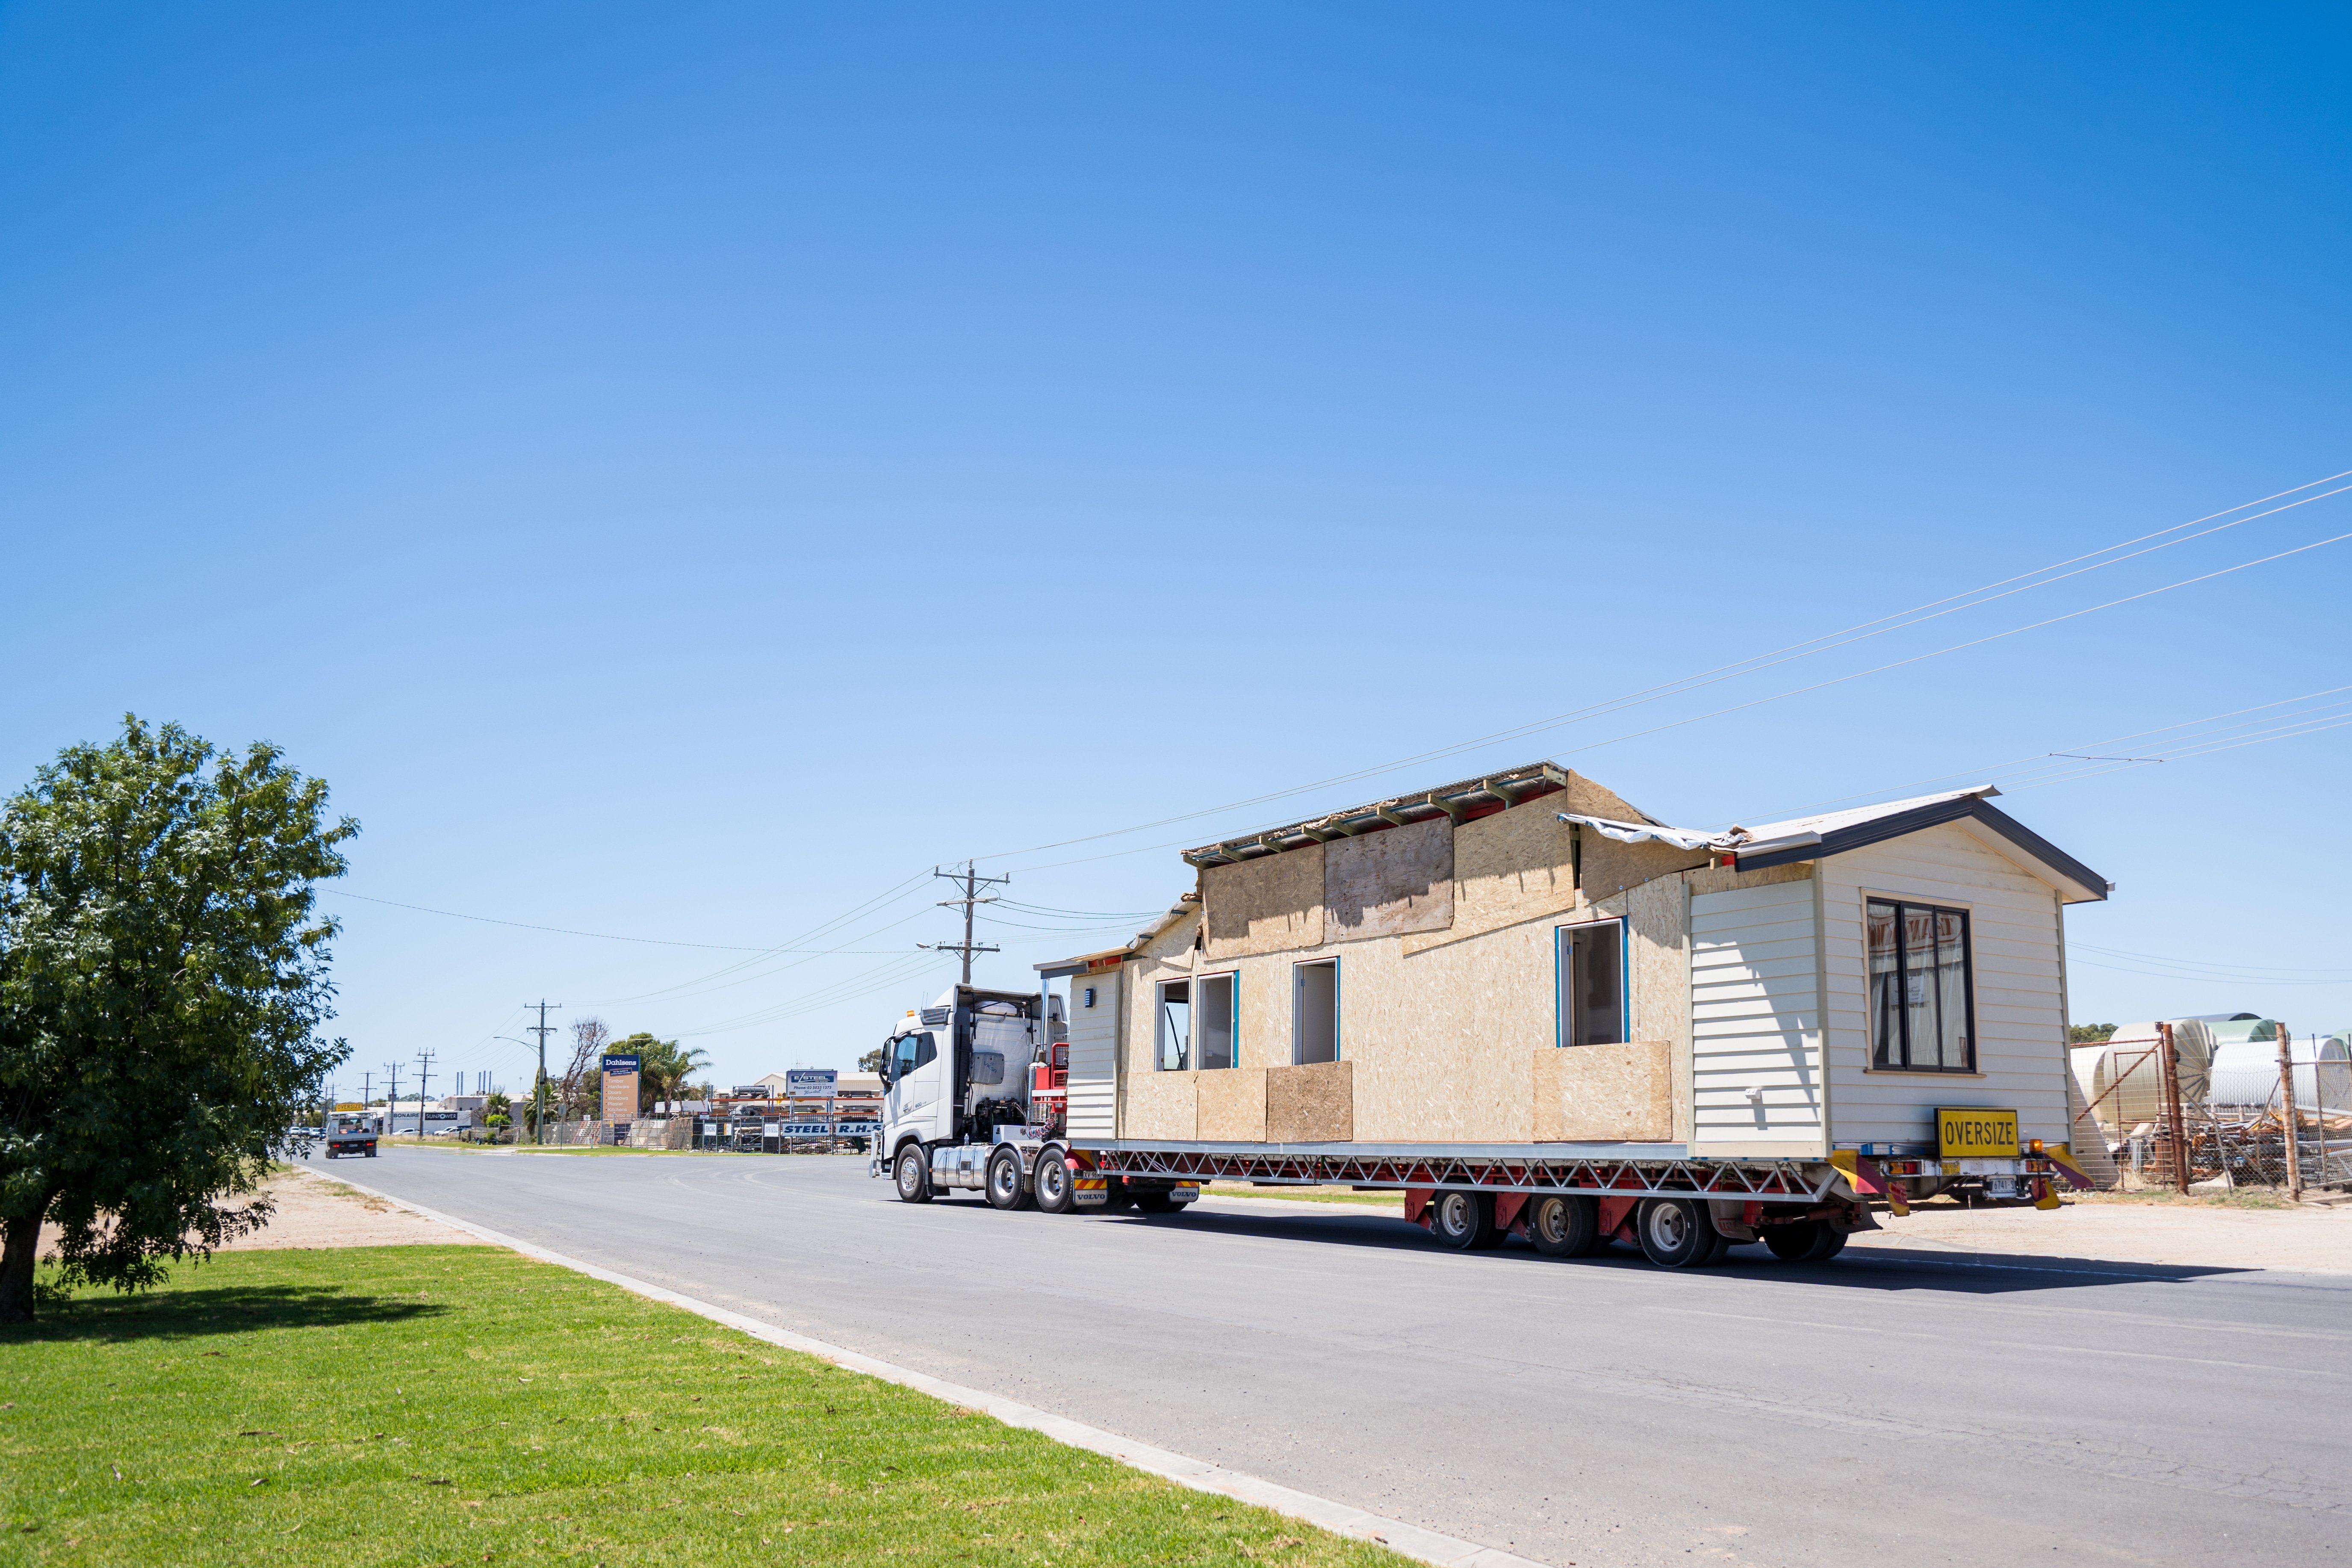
1601,1412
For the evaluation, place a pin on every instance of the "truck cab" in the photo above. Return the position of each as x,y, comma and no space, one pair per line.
350,1134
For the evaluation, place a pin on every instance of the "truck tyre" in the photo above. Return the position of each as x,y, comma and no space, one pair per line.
1828,1245
1153,1203
370,1153
1676,1233
912,1174
1465,1221
1055,1192
1008,1184
1790,1242
1563,1225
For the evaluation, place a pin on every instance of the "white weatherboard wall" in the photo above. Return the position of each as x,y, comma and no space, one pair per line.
1756,1017
1093,1056
2019,1002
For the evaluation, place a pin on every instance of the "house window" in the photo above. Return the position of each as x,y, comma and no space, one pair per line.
1922,995
1591,968
1315,1012
1198,1022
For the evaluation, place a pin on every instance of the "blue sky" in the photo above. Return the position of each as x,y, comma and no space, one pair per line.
681,472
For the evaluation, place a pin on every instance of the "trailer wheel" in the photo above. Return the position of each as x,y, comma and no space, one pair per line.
1006,1189
1055,1193
912,1172
1828,1245
1791,1243
1563,1225
1675,1233
1154,1203
1464,1220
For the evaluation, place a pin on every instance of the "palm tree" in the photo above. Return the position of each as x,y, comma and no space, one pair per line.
663,1066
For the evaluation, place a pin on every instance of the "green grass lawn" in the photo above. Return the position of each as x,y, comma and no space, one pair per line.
417,1404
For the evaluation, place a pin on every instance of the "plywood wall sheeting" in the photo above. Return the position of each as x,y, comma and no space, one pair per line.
1093,1056
2019,1008
1271,904
1231,1104
1388,883
1439,1038
1311,1103
1162,1105
1755,1001
1613,1094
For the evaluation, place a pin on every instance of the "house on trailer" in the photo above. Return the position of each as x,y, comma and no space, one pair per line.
1526,959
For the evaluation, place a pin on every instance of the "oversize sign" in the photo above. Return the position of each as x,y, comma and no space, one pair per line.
810,1083
620,1103
1965,1132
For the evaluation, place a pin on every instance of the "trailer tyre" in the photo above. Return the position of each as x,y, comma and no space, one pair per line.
1563,1225
1676,1233
1465,1221
1154,1203
1790,1242
1055,1194
912,1174
1008,1187
1828,1245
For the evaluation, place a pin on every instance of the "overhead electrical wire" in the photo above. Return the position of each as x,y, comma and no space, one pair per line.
1828,641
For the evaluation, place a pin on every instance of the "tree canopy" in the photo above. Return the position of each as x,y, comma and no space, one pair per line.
163,981
663,1066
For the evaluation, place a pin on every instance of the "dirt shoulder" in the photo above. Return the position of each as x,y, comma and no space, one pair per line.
2313,1239
319,1211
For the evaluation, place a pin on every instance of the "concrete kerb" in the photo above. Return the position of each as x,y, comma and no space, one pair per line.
1411,1540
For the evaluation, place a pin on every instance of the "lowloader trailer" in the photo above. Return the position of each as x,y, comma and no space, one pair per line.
977,1099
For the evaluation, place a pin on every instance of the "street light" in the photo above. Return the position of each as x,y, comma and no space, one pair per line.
539,1114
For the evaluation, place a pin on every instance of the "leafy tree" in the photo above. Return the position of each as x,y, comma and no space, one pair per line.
872,1060
163,979
2090,1033
663,1066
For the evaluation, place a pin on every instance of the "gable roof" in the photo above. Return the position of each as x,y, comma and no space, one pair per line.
1836,832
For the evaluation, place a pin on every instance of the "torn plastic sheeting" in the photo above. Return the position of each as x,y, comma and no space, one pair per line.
1735,839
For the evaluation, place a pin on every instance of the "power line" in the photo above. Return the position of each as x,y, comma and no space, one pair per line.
972,883
1828,641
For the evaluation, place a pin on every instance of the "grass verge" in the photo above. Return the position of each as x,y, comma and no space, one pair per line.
466,1405
1306,1194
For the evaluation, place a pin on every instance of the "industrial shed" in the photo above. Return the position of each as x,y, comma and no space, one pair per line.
1526,959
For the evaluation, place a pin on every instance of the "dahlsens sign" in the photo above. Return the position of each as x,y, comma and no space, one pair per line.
620,1102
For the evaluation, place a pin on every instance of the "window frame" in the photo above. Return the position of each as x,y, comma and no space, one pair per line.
1900,902
1191,1062
1298,1008
1563,1014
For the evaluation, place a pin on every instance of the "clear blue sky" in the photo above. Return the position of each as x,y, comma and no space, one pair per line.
682,471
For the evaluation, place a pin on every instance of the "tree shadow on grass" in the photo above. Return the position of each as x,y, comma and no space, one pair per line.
196,1311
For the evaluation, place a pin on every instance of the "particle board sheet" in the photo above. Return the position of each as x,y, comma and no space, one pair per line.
1507,868
1604,1094
1160,1105
1311,1102
1271,904
1388,883
1231,1104
1755,1007
1440,1040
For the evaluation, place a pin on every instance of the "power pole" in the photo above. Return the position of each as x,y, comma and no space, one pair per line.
973,884
424,1077
539,1091
391,1097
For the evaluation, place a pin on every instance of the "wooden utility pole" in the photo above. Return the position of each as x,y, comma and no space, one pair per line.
2172,1110
2289,1115
972,883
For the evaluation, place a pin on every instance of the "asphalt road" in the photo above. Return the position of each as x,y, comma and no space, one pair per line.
1872,1410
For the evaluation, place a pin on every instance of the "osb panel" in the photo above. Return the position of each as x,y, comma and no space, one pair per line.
1314,1103
1387,883
1271,904
1507,868
1604,1094
1159,1105
1658,914
1231,1104
1441,1039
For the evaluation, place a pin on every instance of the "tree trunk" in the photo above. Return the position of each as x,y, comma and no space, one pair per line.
24,1245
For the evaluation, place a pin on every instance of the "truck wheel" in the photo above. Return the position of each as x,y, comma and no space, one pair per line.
1828,1245
370,1153
913,1174
1055,1194
1006,1187
1563,1226
1675,1233
1790,1242
1465,1221
1154,1203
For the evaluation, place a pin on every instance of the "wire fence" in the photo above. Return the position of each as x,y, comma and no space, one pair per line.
2174,1121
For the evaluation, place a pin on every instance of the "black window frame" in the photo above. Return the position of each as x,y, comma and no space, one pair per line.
1880,1057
